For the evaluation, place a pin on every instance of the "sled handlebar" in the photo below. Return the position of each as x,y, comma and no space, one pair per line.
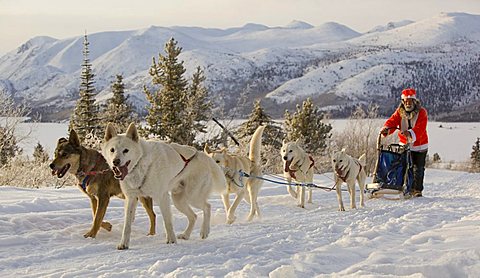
381,134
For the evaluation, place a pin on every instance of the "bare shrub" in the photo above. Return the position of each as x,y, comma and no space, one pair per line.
360,135
22,172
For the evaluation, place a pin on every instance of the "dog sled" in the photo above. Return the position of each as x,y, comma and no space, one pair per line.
393,173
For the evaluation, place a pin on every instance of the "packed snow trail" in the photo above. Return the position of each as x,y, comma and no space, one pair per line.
41,234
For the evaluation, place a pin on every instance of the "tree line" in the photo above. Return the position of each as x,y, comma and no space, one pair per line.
179,109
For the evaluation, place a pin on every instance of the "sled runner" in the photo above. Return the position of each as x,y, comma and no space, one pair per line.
393,171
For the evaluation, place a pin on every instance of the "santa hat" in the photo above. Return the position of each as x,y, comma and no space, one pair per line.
409,93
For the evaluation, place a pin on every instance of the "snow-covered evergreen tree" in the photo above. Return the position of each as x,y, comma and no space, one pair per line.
85,117
306,124
118,110
168,115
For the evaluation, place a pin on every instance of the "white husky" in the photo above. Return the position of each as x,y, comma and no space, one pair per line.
232,165
348,169
155,169
297,165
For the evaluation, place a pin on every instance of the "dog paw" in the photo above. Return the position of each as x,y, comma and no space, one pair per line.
107,226
301,206
204,234
341,209
90,233
151,233
171,240
122,246
230,220
183,236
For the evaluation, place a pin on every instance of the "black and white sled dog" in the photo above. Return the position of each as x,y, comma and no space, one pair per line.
150,168
348,169
298,166
241,186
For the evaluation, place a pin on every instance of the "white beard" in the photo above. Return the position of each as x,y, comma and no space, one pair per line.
409,108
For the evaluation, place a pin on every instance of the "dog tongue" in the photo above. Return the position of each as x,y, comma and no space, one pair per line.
287,166
122,171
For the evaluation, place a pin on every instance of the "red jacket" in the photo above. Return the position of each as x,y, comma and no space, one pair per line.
418,128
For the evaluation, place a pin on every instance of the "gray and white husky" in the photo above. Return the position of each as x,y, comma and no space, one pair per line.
148,168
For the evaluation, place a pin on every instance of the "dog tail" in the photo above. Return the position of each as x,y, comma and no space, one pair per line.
363,160
256,145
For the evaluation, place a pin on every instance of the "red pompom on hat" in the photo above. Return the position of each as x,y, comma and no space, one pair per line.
409,93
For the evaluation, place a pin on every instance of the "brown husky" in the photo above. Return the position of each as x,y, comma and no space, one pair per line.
94,178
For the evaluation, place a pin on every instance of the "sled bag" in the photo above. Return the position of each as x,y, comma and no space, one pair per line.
391,169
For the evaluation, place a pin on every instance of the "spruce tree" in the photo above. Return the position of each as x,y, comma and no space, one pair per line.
118,111
85,115
8,146
199,105
271,135
168,115
39,154
12,115
475,156
306,124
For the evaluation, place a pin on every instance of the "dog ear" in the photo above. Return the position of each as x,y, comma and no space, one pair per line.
132,132
344,150
206,149
110,132
73,138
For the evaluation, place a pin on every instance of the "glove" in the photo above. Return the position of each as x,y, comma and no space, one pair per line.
407,134
384,131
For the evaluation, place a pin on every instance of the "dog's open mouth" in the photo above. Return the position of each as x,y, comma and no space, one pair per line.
287,165
339,171
61,172
121,172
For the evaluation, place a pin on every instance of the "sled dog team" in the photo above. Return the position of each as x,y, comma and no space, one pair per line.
153,171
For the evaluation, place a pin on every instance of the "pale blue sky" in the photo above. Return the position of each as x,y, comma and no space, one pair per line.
21,20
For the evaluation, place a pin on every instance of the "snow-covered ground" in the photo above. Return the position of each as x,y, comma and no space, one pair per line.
41,235
41,230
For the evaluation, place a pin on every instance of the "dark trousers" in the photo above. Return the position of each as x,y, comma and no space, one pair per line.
418,161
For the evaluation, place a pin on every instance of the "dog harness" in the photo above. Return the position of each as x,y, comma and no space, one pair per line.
186,160
292,172
344,178
90,174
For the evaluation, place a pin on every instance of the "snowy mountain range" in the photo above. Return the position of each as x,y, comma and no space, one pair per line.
334,65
